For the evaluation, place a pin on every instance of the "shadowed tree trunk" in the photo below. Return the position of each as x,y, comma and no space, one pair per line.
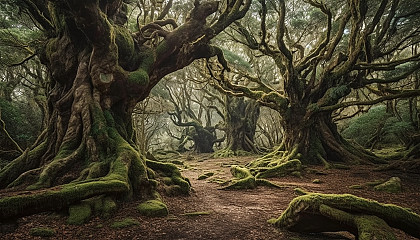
99,72
241,122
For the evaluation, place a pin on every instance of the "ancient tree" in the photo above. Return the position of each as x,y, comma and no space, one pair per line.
99,70
193,111
323,51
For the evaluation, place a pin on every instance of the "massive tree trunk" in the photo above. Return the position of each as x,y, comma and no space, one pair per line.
316,140
99,72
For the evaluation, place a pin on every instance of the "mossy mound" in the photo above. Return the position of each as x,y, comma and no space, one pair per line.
127,222
42,232
153,208
393,185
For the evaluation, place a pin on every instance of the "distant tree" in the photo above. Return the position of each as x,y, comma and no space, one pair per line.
323,51
194,110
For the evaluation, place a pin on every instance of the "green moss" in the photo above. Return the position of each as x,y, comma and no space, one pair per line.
60,198
42,232
167,180
205,176
162,48
183,184
240,172
153,208
281,170
79,214
357,186
147,58
244,183
140,77
346,208
317,181
265,182
127,222
393,185
124,42
372,227
108,207
28,160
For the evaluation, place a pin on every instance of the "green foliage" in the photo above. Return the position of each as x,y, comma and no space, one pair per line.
22,122
361,129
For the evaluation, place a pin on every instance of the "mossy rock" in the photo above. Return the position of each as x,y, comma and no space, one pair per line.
127,222
42,232
79,214
393,185
153,208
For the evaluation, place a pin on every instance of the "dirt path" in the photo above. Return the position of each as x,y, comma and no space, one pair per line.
226,214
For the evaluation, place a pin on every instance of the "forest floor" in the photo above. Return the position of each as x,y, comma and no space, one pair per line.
227,215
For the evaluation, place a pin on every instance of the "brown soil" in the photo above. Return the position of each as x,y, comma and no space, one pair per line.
230,214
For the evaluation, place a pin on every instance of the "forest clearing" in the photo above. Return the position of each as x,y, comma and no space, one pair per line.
211,213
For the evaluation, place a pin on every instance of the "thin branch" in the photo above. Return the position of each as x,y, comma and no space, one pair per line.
403,94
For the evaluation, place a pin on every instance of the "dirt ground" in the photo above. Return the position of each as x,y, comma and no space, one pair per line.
228,214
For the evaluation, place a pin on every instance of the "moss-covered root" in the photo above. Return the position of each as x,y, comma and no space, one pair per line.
280,170
171,177
227,153
316,212
244,179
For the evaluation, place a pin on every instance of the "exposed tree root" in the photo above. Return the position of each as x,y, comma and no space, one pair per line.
245,180
364,218
169,175
228,152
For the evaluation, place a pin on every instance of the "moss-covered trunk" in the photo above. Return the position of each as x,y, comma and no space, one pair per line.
241,121
316,140
99,72
312,140
86,150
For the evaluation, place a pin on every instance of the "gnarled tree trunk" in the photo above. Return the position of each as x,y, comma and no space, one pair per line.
99,72
241,121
